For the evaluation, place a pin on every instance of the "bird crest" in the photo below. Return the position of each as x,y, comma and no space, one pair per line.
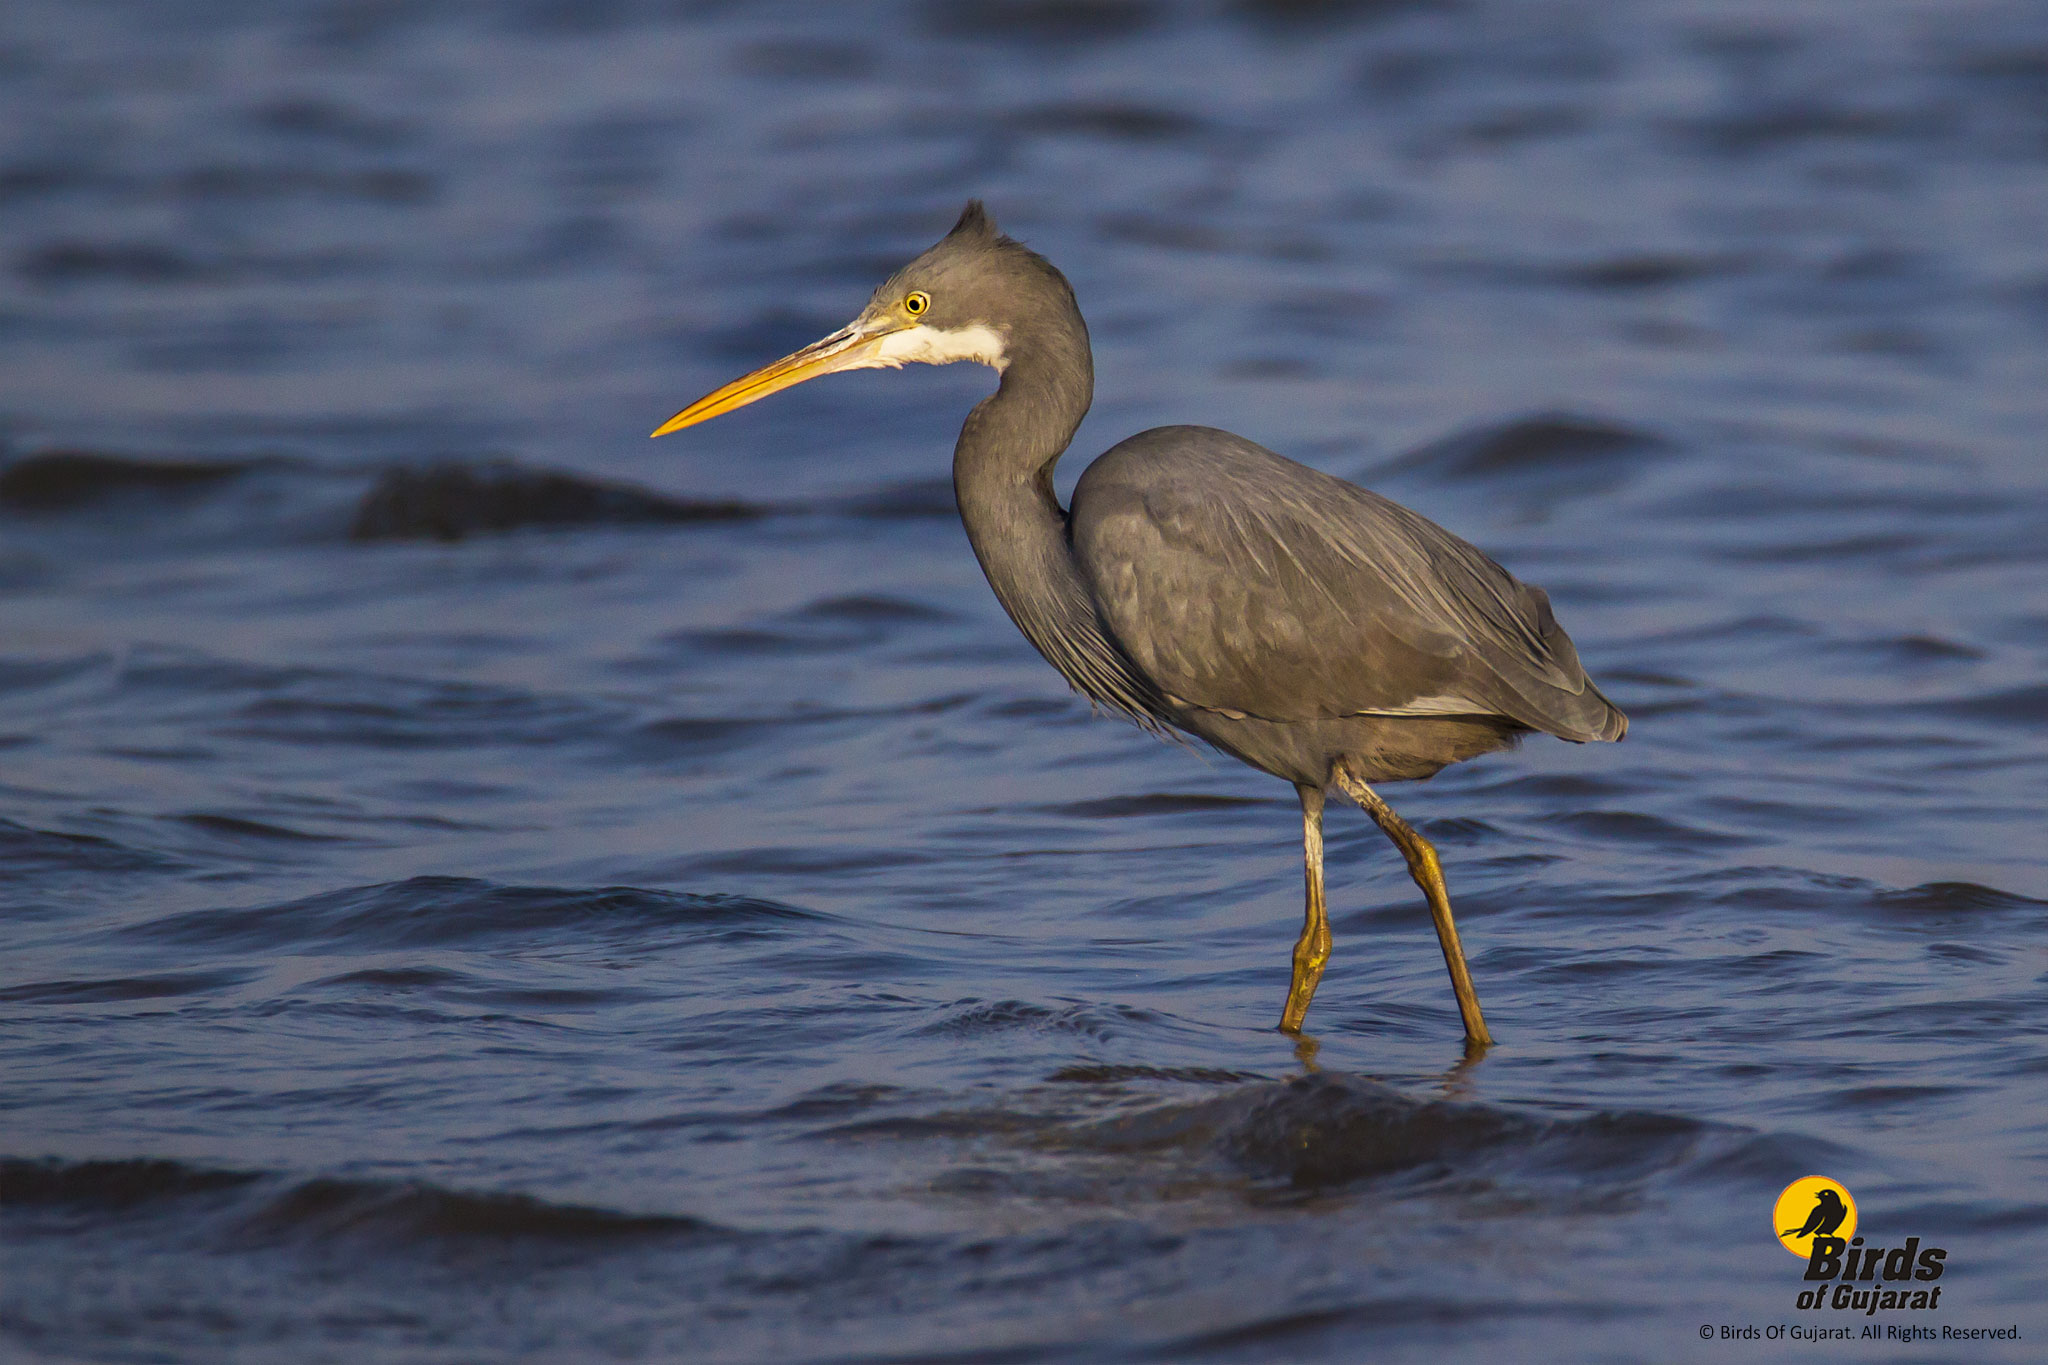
975,222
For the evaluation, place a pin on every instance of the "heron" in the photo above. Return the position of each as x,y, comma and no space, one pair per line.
1200,584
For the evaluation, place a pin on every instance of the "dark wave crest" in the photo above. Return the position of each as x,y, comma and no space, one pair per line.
266,1207
1327,1129
1558,448
55,480
25,851
109,1185
322,1209
454,910
451,499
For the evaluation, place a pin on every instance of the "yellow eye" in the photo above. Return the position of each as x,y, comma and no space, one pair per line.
916,302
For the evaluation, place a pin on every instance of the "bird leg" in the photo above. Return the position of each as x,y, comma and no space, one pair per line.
1429,875
1312,950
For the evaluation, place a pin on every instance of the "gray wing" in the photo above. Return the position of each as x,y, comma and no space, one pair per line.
1245,583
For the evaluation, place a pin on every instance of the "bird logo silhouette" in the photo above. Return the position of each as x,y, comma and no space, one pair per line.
1828,1213
1812,1206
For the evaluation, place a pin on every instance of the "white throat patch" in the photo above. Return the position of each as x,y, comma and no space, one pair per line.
930,346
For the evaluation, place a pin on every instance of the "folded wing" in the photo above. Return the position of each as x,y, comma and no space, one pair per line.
1245,583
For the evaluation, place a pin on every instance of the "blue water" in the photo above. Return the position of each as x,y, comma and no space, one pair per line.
475,885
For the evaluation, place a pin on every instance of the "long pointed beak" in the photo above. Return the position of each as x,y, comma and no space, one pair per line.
852,347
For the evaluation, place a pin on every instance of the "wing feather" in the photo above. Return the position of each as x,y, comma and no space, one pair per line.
1241,581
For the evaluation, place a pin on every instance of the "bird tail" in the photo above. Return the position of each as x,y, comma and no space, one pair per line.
1591,717
1615,725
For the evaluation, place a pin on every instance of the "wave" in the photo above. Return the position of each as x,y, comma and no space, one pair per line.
159,986
1099,1022
451,499
1095,1128
1152,803
1544,446
405,1212
422,911
267,1207
55,480
108,1185
25,850
829,625
1330,1129
2026,705
1953,898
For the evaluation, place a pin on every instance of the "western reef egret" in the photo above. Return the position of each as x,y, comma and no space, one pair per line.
1204,584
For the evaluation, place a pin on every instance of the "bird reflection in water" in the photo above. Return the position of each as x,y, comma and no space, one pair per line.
1202,584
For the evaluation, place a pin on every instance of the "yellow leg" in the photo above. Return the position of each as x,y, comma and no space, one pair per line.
1429,875
1312,950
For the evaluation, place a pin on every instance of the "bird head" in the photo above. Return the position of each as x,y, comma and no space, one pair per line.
962,299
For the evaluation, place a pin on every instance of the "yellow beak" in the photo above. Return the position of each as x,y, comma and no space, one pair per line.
853,347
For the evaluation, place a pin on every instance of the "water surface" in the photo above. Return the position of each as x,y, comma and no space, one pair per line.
475,885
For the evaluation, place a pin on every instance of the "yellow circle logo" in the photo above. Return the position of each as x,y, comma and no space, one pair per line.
1813,1206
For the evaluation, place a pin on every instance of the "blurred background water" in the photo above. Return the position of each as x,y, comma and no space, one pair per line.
477,886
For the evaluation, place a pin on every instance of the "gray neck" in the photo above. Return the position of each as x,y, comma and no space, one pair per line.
1002,479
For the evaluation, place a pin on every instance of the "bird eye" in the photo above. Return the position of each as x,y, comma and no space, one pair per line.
916,302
